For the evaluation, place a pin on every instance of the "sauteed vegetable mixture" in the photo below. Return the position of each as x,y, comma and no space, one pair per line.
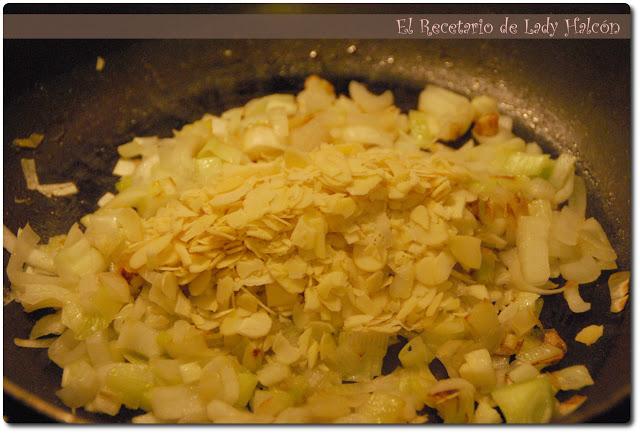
257,266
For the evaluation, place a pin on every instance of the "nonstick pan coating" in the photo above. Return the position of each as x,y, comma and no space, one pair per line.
568,95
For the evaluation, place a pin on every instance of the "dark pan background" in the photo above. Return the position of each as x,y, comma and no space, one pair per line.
572,95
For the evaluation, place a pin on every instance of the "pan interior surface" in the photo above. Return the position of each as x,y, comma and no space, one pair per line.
153,87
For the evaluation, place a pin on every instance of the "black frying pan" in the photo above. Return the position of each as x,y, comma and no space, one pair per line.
568,95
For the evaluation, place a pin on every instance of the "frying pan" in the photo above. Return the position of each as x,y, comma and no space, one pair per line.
568,95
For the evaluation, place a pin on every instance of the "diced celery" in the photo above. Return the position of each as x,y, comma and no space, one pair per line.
450,330
297,387
478,369
270,402
529,402
417,383
526,164
360,354
415,354
383,408
130,382
207,168
484,324
247,383
486,272
79,384
485,414
423,128
124,183
81,323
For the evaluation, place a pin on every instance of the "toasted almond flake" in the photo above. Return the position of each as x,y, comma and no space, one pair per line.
357,320
181,250
260,234
150,249
197,227
285,352
229,261
235,250
227,198
312,354
590,334
259,302
255,326
434,305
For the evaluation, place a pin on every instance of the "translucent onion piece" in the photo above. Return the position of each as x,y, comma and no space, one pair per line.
574,300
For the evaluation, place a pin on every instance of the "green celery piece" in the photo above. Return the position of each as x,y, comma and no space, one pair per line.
130,382
209,149
529,402
547,170
247,383
415,354
485,274
124,183
526,164
422,128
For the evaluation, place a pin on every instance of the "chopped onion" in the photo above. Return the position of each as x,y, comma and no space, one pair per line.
523,372
571,378
124,167
9,239
34,344
510,258
541,355
367,100
582,271
453,111
574,300
570,405
533,249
